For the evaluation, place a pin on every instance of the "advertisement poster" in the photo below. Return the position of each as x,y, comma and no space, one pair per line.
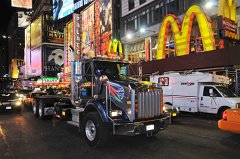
22,3
68,42
105,24
53,60
97,29
36,62
51,34
23,19
62,8
27,53
36,32
16,64
87,24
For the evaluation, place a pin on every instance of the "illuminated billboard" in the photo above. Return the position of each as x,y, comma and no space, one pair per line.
105,24
87,30
16,64
27,52
53,60
62,8
36,32
23,19
22,3
36,62
68,41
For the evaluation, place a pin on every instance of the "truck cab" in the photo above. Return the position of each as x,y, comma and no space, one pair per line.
216,98
107,101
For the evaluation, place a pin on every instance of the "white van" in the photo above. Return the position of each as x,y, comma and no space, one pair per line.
197,92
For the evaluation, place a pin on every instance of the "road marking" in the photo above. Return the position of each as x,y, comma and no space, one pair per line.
8,152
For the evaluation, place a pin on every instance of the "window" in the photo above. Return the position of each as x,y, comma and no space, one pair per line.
130,4
142,19
142,1
215,92
156,14
132,24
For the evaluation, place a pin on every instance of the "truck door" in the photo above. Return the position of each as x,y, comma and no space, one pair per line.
86,84
208,102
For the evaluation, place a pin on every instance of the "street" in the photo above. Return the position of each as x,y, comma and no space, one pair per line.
191,136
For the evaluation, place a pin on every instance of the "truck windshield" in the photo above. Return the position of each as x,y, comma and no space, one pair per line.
225,91
111,69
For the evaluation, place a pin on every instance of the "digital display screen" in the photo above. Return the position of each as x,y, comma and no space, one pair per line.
62,8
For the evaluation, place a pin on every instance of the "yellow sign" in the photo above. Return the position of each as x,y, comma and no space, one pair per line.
16,64
227,8
182,33
115,48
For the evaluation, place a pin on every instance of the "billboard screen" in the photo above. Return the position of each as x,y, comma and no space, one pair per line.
36,62
22,3
62,8
23,19
105,24
51,34
53,60
87,24
27,53
16,64
36,32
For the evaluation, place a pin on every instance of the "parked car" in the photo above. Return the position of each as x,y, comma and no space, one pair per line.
28,100
230,121
10,101
170,110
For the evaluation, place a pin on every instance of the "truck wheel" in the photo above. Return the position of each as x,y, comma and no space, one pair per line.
35,109
95,132
220,112
41,110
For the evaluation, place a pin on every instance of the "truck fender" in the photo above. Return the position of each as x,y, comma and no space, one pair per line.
221,110
95,106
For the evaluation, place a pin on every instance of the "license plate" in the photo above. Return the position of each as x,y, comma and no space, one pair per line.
149,127
8,108
174,114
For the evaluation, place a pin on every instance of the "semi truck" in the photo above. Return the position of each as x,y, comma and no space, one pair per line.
197,92
105,101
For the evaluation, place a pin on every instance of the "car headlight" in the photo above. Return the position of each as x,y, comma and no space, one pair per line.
115,113
18,103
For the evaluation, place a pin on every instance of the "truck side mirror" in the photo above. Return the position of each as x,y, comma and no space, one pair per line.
211,92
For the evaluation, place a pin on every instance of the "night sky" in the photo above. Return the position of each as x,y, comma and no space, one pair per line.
5,14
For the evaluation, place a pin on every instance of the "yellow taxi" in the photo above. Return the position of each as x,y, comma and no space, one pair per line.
230,121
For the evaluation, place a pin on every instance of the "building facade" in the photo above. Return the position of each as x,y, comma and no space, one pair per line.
141,21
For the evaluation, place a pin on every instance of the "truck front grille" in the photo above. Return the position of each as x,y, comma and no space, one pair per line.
149,104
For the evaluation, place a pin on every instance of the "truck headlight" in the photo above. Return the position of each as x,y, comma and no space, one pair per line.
115,113
237,106
18,103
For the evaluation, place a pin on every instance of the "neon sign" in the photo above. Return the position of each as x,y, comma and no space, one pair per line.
182,33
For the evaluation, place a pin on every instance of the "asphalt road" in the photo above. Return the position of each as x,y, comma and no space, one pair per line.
190,137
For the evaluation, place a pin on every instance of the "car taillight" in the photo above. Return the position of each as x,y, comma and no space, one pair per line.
224,115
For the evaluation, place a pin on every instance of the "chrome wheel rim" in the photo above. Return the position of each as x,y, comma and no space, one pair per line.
90,130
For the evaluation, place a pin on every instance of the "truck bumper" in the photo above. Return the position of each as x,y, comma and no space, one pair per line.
148,128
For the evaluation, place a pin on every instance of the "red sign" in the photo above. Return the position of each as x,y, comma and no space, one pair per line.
22,3
147,49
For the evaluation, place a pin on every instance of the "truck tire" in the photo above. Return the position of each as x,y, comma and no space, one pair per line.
220,111
35,108
41,107
95,132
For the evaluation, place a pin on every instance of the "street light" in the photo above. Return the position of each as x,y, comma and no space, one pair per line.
209,5
129,36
